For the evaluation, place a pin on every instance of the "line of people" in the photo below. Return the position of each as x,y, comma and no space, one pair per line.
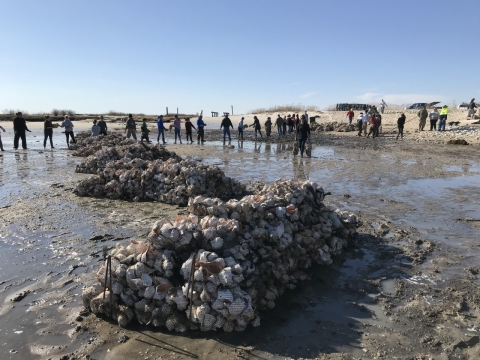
20,129
370,117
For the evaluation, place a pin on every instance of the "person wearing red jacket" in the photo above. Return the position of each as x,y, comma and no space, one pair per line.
373,127
350,116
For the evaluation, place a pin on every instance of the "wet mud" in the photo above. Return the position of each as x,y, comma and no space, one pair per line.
407,288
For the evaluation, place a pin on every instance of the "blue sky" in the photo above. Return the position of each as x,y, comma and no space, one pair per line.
141,56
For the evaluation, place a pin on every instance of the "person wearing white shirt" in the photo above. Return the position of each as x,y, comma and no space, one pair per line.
240,128
365,122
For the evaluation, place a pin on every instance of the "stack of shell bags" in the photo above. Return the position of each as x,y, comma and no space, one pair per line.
172,181
333,126
248,252
95,163
86,144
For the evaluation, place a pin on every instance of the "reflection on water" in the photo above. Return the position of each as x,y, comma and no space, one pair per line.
23,168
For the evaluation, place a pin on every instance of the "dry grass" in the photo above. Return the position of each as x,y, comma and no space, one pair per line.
292,108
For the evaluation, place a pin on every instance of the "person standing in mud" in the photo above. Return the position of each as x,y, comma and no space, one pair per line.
188,129
1,144
68,125
383,104
373,127
400,124
290,123
443,118
161,129
422,114
279,124
471,109
365,119
268,126
433,119
201,132
284,128
360,124
95,128
131,127
303,131
256,125
144,129
226,124
47,131
296,123
19,127
177,126
240,128
103,126
350,115
378,116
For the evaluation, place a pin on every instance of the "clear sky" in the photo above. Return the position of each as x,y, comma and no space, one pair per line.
93,56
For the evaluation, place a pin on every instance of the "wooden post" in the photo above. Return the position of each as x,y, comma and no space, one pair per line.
167,110
232,109
177,111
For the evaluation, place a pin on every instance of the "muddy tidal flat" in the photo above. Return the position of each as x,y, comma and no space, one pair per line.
407,288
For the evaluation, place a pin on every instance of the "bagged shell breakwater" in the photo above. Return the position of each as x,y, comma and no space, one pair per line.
247,251
151,173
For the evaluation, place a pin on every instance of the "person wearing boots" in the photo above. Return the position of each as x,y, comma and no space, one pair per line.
68,125
19,127
47,131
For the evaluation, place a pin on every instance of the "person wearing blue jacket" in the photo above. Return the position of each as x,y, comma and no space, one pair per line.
161,129
200,125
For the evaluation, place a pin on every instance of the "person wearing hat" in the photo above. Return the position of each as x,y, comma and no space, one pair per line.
268,126
19,127
471,109
145,131
443,118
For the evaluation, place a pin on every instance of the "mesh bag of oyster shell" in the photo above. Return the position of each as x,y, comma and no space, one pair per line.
86,144
247,251
172,181
99,160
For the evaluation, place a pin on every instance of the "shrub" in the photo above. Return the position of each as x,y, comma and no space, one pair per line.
292,108
55,112
116,113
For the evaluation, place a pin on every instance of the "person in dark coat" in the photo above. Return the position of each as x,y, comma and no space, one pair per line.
48,131
257,127
188,129
19,127
303,131
1,144
401,123
268,126
103,126
226,124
